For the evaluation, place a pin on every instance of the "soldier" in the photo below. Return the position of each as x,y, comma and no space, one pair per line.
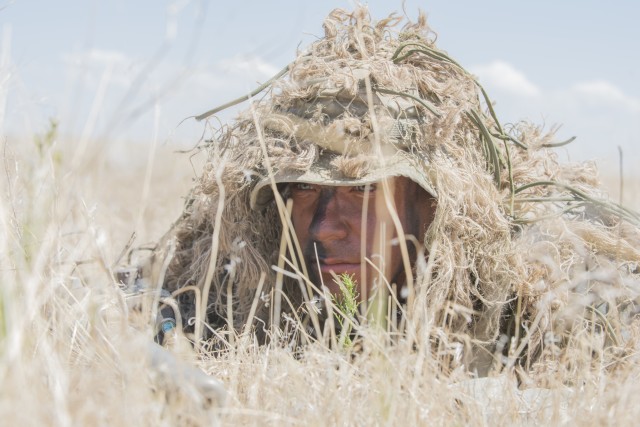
375,155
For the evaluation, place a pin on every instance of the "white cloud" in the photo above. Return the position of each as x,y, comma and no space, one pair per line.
96,57
502,75
601,91
252,65
90,65
601,114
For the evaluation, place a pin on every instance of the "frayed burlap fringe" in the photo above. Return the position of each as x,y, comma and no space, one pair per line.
509,279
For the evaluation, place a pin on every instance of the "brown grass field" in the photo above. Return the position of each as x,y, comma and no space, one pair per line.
72,352
77,347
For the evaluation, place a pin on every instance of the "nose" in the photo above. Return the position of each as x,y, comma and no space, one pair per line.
327,223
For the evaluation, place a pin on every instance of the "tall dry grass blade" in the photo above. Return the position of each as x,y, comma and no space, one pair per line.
201,312
608,206
426,104
494,159
254,304
560,144
243,98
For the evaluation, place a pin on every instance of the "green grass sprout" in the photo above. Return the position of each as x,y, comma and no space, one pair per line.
347,304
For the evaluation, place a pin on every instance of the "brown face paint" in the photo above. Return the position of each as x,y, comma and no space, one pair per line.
329,225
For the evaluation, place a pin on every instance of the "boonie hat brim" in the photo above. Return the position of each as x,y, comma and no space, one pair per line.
323,172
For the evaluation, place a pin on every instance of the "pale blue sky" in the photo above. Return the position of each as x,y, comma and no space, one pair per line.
140,62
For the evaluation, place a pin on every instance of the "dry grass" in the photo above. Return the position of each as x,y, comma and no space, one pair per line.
71,356
76,350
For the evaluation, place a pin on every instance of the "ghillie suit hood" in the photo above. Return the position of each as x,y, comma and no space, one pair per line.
522,255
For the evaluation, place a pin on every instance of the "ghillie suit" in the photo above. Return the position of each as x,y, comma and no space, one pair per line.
522,265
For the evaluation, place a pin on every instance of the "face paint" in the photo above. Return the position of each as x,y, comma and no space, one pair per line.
335,238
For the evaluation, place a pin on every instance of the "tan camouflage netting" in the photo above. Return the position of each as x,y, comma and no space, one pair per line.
549,258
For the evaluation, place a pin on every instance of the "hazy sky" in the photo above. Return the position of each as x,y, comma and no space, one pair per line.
131,69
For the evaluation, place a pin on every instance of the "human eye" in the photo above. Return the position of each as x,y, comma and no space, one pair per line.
363,188
303,186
